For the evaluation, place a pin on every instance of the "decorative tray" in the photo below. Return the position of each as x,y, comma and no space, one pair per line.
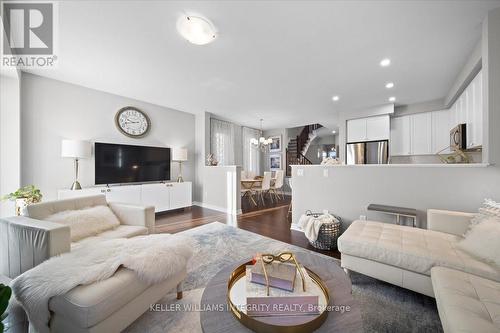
236,298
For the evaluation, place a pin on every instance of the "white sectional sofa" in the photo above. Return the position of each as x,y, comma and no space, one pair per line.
429,261
106,306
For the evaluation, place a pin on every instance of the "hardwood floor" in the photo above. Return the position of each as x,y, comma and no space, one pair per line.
271,220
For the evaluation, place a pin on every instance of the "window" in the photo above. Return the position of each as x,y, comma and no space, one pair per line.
251,155
222,141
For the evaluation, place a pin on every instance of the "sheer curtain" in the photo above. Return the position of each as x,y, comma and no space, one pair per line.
251,155
222,141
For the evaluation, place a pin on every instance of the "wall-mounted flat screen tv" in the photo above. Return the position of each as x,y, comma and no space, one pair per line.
116,163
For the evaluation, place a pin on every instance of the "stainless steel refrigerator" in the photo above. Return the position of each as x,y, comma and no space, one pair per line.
374,152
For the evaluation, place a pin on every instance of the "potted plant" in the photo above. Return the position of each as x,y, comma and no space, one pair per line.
24,196
5,293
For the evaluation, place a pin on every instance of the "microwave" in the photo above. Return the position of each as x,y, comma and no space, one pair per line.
458,137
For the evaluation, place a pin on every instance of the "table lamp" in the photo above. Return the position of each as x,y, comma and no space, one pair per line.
76,149
179,155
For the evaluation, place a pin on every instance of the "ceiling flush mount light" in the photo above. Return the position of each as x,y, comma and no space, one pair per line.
389,85
392,99
335,98
385,62
196,30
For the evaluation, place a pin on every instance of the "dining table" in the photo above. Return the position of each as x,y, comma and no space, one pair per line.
248,184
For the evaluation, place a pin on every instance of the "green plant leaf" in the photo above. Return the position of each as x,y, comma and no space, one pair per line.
5,293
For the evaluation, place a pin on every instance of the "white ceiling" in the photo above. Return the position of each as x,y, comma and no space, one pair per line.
281,60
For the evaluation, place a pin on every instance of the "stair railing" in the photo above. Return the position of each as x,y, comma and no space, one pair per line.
293,158
303,137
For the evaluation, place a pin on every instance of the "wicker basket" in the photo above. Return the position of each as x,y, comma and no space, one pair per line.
328,233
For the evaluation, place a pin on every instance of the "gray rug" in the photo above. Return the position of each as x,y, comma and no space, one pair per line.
384,307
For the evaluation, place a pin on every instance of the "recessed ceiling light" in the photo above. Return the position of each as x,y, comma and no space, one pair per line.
335,98
385,62
392,99
333,132
196,30
389,85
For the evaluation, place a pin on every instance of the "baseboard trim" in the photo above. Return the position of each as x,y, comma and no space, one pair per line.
217,208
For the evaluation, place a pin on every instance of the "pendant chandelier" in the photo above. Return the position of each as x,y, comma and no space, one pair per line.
262,143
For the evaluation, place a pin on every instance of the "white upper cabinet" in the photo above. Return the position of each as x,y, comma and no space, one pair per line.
400,136
378,128
441,126
356,130
475,112
368,129
468,109
421,133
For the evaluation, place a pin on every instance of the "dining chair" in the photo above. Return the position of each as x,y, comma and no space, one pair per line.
265,187
244,175
278,184
251,175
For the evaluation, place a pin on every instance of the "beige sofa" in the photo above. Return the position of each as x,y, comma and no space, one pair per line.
106,306
425,261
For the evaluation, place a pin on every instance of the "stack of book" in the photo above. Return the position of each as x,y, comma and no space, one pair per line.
286,295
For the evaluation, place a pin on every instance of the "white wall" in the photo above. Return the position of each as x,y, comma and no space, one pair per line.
222,188
53,110
265,165
202,146
10,144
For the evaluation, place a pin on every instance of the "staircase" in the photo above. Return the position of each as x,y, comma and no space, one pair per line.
297,147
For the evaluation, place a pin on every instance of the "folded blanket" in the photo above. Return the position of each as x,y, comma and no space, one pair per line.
311,224
154,258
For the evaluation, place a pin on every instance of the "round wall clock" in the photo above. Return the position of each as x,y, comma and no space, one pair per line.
132,122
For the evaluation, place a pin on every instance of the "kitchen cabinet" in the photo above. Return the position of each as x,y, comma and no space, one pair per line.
356,130
368,129
475,112
441,125
163,196
421,133
400,136
468,109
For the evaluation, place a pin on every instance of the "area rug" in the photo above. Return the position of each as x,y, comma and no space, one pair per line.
384,307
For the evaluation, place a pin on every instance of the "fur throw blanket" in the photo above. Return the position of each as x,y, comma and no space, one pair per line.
154,258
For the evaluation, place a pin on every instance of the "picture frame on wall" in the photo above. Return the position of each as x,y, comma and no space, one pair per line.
275,162
275,145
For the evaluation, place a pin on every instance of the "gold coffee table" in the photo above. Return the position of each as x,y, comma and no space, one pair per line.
221,319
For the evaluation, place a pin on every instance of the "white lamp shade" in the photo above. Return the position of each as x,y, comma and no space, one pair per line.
179,154
76,149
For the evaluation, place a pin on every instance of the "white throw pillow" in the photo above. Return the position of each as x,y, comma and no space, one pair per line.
482,240
87,221
489,209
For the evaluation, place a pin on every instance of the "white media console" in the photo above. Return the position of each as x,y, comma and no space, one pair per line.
163,196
